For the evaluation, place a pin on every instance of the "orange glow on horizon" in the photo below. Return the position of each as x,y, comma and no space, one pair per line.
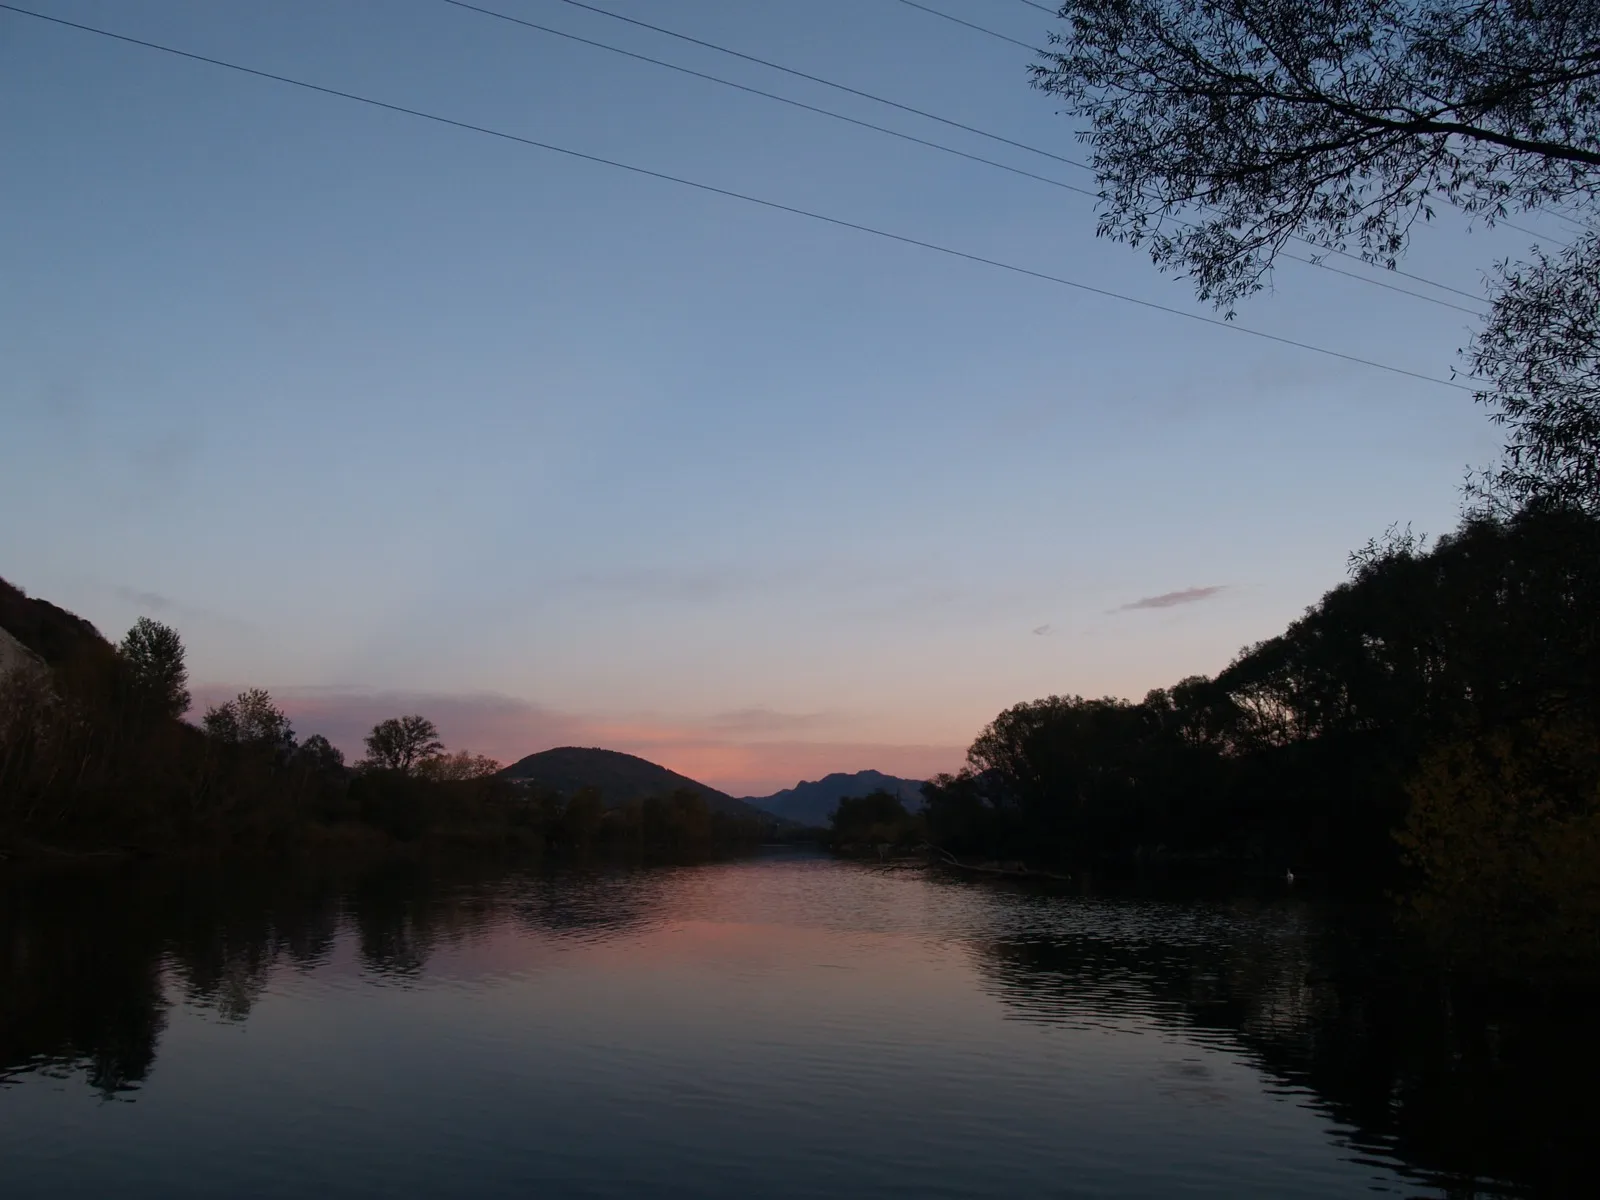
508,729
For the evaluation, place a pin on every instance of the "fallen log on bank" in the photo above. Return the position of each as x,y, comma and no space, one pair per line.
1010,870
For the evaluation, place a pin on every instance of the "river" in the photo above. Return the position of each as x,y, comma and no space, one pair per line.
781,1026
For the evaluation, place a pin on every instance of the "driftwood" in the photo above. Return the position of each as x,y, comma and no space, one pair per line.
1011,870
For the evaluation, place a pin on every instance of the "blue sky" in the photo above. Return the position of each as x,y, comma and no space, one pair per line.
382,413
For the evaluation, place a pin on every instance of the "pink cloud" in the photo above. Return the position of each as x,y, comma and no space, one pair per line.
721,750
1191,595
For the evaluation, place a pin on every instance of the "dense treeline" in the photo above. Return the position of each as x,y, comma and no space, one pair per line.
95,754
878,820
1439,711
1445,696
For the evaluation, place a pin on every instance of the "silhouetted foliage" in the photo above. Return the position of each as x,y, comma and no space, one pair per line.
1540,351
878,819
461,765
582,816
1451,691
1504,829
155,657
1336,120
1222,131
93,755
252,720
402,744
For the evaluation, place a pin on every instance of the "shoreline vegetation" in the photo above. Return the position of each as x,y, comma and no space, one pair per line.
98,762
1429,730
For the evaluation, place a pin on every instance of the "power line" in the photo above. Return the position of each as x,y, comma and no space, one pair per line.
774,205
1578,227
983,133
811,108
1383,283
1584,223
895,133
934,12
1535,233
1044,8
839,87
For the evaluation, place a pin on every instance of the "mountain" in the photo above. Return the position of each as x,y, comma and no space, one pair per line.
811,803
620,778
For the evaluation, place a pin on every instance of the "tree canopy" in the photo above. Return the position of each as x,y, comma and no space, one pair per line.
155,657
1540,354
1223,129
252,718
402,743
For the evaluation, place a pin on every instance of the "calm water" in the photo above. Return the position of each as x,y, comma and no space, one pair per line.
782,1026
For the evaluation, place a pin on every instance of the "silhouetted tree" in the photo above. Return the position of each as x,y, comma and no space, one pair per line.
1081,773
319,754
1221,131
155,657
461,765
1310,747
402,743
1504,827
321,773
582,816
965,814
1334,120
1540,351
877,819
251,719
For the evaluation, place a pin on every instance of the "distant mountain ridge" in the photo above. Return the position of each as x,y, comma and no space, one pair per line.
620,778
812,803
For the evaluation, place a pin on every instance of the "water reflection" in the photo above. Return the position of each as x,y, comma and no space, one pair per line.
810,982
90,958
1479,1088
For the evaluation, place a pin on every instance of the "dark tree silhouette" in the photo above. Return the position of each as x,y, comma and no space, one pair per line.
319,754
402,743
155,657
1343,121
1223,129
251,718
1540,352
876,819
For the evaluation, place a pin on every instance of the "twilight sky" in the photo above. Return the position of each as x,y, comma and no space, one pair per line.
390,416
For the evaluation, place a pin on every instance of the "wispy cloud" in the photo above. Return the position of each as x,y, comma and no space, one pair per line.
157,604
150,601
1172,599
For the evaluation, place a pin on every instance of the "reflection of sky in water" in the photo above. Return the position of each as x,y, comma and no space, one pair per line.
779,1028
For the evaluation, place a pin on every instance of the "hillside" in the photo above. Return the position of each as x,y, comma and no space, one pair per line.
811,803
14,656
50,633
620,778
